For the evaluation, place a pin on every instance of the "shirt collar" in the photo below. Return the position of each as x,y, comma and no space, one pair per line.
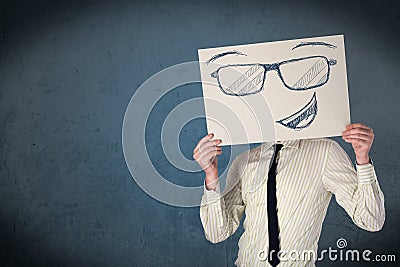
286,143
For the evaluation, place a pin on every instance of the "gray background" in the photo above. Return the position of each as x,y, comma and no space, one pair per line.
67,72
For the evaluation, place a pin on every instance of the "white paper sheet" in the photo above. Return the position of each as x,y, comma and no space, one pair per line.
272,91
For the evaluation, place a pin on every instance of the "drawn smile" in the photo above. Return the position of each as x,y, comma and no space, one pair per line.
302,118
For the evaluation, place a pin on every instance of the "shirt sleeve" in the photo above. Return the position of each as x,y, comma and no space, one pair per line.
357,191
220,213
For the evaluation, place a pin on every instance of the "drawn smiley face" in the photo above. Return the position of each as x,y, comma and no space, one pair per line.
297,74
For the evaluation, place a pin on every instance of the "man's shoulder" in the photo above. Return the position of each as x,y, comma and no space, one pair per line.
323,143
318,141
254,154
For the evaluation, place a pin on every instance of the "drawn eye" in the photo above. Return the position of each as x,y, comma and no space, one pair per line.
302,118
241,80
306,73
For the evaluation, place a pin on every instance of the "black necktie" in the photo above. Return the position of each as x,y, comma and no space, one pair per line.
273,228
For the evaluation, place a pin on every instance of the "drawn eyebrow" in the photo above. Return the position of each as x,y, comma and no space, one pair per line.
217,56
313,44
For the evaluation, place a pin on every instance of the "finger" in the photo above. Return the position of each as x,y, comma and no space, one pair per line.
208,143
358,131
362,134
210,155
357,125
204,139
208,158
357,141
202,149
208,149
201,152
358,136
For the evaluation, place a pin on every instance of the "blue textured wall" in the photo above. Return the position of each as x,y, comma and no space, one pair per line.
67,72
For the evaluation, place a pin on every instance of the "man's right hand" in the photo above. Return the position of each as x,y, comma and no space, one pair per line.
205,153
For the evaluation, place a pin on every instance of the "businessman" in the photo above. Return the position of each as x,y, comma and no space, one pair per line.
285,189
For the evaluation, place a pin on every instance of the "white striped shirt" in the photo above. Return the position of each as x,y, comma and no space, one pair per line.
308,173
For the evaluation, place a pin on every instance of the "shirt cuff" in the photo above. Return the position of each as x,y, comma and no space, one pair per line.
366,173
212,195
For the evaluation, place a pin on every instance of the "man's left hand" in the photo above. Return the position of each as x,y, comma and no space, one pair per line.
361,137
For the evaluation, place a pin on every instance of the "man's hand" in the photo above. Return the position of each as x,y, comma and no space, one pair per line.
361,137
205,153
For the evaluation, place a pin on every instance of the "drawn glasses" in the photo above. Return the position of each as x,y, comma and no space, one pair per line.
296,74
